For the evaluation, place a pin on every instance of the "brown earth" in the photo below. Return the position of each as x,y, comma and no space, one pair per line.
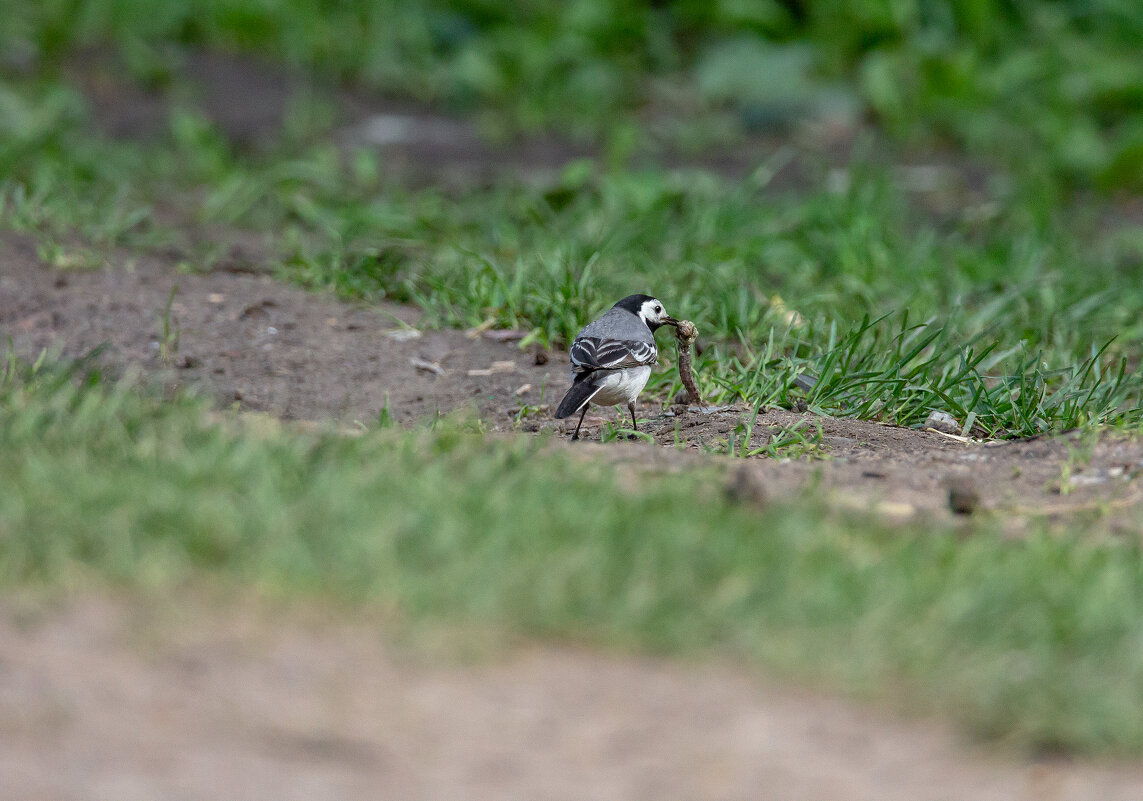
177,699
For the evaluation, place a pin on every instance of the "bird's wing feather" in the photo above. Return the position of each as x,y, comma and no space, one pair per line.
600,353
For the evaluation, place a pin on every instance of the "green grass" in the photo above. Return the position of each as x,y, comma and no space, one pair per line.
1018,322
1017,310
1032,641
1051,90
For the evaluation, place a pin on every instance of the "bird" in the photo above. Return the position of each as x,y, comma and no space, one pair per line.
611,357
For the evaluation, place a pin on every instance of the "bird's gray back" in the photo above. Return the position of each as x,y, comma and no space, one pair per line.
617,324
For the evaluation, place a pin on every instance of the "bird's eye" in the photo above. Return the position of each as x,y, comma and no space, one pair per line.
658,310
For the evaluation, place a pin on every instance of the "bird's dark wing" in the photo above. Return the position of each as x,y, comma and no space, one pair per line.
594,353
582,390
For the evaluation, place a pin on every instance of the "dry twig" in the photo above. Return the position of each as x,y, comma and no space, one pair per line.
686,334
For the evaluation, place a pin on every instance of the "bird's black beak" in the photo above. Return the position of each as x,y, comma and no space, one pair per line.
671,321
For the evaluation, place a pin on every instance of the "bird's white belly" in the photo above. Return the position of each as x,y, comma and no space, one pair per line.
622,386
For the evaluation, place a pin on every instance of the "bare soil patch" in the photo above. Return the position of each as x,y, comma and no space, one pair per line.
250,341
264,345
901,473
108,700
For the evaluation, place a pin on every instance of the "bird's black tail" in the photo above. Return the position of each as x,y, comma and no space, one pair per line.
582,390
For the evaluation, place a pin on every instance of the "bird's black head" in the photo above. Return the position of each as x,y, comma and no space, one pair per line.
633,303
650,310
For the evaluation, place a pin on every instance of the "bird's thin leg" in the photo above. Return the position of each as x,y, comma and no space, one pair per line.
631,408
580,423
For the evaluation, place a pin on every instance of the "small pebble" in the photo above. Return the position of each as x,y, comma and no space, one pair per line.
427,366
1087,479
963,497
805,381
943,422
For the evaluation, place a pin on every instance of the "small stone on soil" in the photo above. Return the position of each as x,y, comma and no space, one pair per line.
943,422
427,366
963,497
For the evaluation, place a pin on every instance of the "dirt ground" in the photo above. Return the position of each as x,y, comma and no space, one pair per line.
270,347
118,701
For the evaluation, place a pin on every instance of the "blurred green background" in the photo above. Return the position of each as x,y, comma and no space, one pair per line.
1051,88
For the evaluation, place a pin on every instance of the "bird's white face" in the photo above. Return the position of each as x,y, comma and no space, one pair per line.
654,315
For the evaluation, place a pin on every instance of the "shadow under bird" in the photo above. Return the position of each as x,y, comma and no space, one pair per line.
611,357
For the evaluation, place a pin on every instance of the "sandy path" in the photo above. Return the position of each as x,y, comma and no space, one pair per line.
105,700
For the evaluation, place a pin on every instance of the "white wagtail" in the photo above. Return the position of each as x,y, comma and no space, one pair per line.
612,356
